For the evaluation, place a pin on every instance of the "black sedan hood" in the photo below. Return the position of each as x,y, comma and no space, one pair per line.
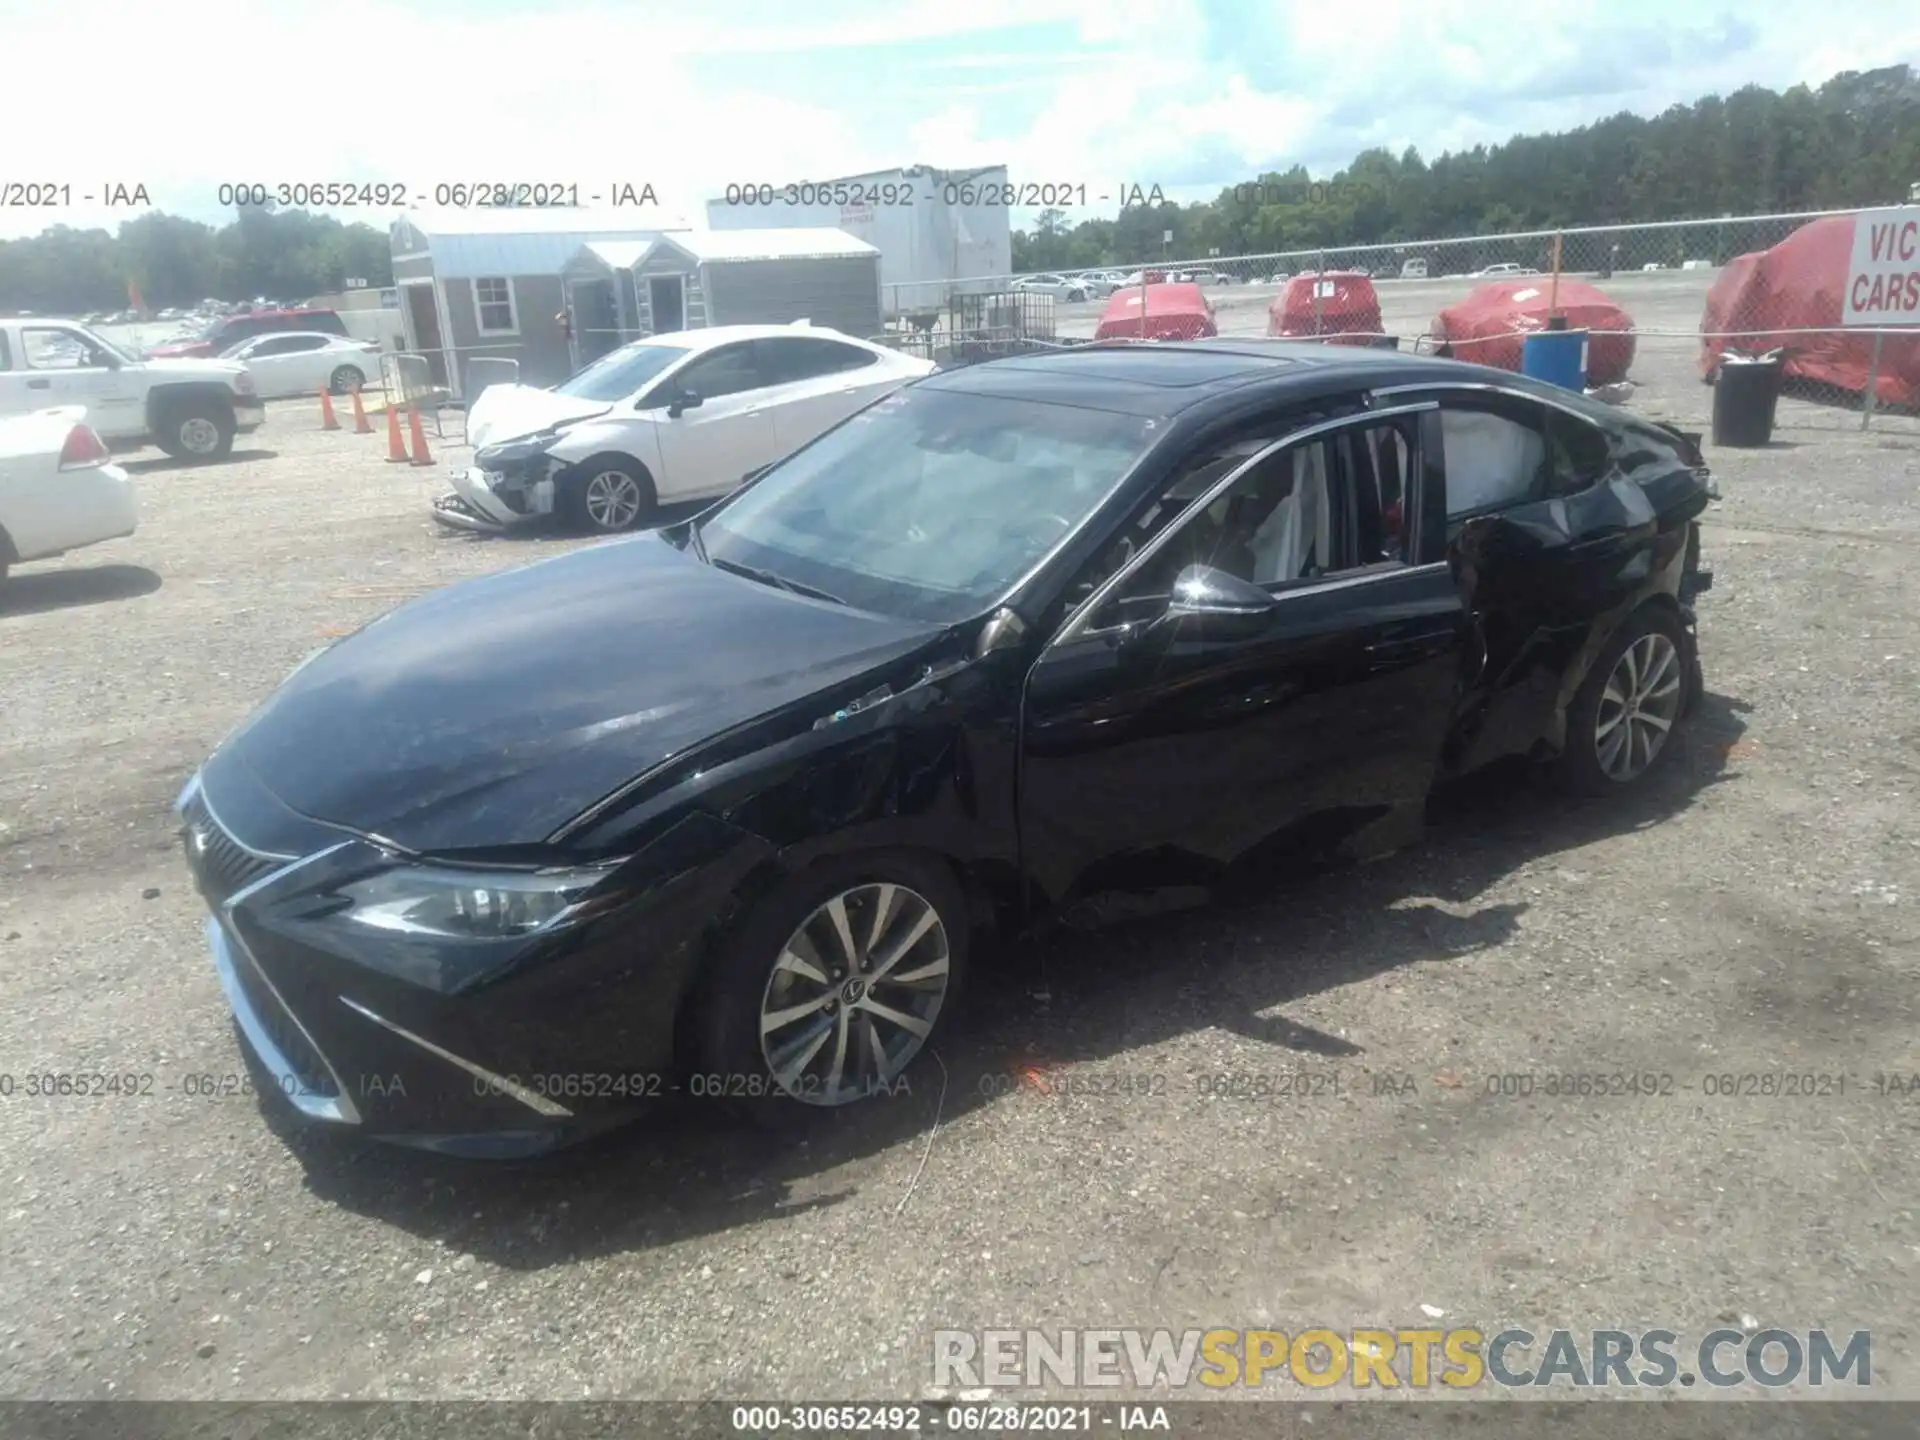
490,713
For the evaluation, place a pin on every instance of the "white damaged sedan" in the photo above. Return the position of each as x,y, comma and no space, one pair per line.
683,416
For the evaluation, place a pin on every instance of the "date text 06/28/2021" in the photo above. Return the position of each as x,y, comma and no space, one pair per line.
897,193
456,195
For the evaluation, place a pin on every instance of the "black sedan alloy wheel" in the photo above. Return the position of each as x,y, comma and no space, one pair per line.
836,984
1623,717
854,994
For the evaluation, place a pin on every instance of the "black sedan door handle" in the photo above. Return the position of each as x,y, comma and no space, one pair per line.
39,384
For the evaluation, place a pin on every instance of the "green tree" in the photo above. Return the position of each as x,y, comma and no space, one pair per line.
287,254
1853,141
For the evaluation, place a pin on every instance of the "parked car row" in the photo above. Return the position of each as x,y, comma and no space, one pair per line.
740,796
224,333
1084,285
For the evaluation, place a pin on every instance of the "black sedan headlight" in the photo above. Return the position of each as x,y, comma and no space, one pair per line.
443,927
461,904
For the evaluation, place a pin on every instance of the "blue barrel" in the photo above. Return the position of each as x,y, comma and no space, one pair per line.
1558,357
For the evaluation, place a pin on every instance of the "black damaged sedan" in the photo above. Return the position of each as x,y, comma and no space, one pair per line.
722,807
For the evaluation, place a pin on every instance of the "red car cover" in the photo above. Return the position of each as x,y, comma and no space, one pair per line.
1172,312
1799,283
1489,326
1348,308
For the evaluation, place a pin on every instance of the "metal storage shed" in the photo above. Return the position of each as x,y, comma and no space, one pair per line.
487,282
624,289
955,237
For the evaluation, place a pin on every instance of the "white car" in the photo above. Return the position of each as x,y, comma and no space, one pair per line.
301,362
685,416
1059,287
1097,286
1502,271
59,489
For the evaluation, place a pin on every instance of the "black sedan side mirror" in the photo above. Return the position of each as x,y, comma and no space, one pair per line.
684,401
1211,603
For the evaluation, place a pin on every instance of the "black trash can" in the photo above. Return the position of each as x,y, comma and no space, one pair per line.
1746,392
1384,342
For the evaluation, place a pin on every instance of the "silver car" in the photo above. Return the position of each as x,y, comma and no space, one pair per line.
1060,287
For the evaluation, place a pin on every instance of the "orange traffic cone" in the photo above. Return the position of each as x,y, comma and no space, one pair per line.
360,423
327,422
420,455
396,447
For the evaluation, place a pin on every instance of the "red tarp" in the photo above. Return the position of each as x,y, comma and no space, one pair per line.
1173,312
1800,282
1487,327
1348,307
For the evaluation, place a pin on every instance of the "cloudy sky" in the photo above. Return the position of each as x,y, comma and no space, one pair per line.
182,95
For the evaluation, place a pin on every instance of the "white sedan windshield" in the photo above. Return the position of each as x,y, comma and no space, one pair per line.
617,375
930,503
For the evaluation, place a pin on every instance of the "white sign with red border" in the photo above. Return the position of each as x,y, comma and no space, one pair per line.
1883,276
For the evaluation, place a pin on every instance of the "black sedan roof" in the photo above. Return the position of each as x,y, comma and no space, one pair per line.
1164,379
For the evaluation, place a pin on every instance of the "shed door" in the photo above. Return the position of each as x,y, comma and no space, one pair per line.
426,329
596,325
667,298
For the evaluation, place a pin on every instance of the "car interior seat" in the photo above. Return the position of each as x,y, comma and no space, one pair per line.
1292,539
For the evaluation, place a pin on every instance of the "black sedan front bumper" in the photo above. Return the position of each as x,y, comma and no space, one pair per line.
578,1039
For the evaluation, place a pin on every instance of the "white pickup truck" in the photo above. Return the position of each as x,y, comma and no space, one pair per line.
191,409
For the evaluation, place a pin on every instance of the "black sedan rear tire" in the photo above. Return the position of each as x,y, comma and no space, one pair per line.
832,987
1622,722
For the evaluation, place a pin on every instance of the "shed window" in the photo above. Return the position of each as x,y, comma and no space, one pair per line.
493,305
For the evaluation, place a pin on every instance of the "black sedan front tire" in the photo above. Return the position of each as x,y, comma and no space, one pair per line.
833,986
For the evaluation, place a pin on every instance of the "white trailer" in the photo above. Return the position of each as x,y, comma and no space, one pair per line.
939,232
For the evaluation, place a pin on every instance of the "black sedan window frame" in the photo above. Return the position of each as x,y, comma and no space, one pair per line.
1080,624
1554,415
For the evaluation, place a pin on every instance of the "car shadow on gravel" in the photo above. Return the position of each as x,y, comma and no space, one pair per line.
163,463
1063,999
37,591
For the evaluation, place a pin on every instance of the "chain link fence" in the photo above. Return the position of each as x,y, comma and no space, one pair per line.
1662,302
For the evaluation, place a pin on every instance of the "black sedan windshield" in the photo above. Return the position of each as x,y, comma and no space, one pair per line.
929,504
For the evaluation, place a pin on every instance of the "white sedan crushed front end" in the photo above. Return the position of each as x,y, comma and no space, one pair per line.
494,502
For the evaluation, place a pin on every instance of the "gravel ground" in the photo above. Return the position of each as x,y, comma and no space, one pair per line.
1753,912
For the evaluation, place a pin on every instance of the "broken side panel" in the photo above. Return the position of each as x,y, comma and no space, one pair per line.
1545,582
